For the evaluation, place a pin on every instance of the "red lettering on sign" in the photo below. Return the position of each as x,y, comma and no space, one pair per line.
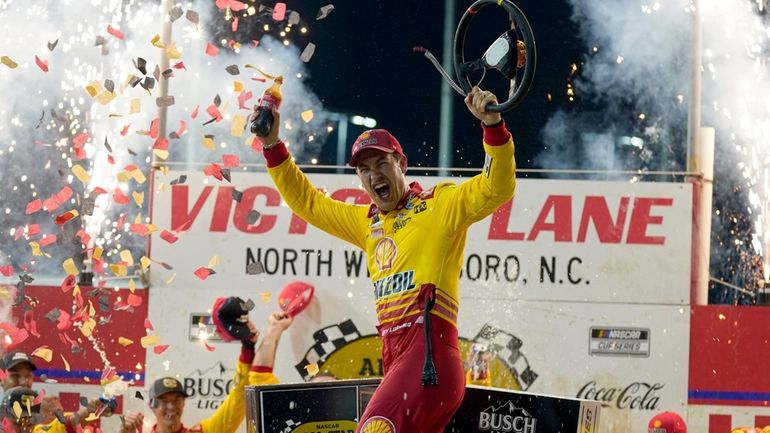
595,209
498,228
561,226
265,222
180,215
641,218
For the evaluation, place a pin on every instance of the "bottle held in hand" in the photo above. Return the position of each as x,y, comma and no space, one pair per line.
263,119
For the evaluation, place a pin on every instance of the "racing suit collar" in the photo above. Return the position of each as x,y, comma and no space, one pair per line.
183,429
414,189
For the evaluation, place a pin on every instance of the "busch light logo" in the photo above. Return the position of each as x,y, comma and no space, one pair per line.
507,418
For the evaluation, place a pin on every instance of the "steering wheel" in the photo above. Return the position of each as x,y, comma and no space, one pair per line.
513,51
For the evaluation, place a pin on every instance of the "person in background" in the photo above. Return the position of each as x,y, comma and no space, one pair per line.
18,410
167,394
414,240
19,370
666,422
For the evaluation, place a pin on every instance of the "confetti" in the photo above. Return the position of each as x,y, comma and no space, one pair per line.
312,369
145,262
237,195
208,347
134,300
81,174
135,107
180,180
160,348
43,352
324,11
115,32
211,50
279,12
231,160
233,5
42,64
233,70
168,236
175,13
138,198
69,267
149,341
66,364
255,268
164,101
214,261
294,18
8,62
34,206
192,16
308,52
238,125
265,297
208,142
307,115
109,85
148,325
123,341
203,272
252,217
52,45
242,98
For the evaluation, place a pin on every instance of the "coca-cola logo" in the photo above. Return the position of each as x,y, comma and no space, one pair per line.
636,395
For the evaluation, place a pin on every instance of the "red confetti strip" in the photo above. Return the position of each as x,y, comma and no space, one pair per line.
243,97
99,190
214,170
140,229
194,113
231,160
160,348
179,65
34,206
33,229
64,322
203,272
115,32
84,237
148,325
134,300
122,219
214,112
209,347
161,143
211,50
81,139
16,335
279,12
168,236
235,25
47,240
154,127
124,131
6,270
64,194
182,128
256,144
63,218
119,197
42,64
30,324
68,283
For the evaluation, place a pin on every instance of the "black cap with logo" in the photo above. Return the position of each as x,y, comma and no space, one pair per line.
166,385
12,359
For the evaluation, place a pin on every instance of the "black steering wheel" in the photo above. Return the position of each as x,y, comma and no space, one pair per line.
513,51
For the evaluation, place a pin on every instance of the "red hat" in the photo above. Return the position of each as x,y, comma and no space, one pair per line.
295,297
379,139
231,317
667,422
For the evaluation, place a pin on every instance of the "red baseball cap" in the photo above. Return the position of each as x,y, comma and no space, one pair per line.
667,422
379,139
295,297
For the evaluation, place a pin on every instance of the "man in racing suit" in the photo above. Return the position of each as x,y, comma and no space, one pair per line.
167,401
414,241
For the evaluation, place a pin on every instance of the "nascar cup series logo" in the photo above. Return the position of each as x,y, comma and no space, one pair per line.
507,418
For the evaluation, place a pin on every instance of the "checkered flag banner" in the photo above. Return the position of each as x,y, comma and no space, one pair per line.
327,340
507,347
290,426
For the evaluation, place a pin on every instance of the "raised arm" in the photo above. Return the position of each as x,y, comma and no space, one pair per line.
478,197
